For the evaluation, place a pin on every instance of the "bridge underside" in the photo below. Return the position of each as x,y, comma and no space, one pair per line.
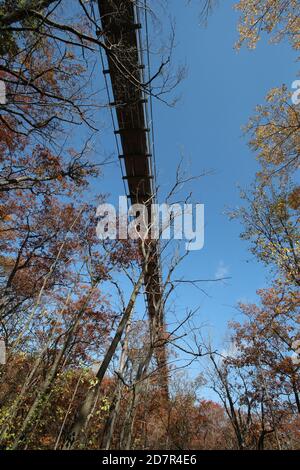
119,29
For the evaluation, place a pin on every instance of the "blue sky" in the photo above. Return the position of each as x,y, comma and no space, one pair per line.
218,96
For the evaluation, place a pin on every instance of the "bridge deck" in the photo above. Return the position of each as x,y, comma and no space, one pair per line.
119,25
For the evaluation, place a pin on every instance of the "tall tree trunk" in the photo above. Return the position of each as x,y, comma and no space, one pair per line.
296,393
115,406
232,411
111,420
83,415
127,430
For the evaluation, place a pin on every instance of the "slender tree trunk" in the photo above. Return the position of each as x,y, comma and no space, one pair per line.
68,412
269,403
126,433
127,430
296,394
115,406
231,412
111,421
84,412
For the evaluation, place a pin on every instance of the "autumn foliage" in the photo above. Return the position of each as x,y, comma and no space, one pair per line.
80,349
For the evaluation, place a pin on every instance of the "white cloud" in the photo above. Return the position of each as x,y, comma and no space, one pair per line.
231,351
222,270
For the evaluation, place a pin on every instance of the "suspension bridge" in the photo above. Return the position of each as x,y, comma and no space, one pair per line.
130,101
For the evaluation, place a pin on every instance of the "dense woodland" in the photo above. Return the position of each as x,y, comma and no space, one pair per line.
81,367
